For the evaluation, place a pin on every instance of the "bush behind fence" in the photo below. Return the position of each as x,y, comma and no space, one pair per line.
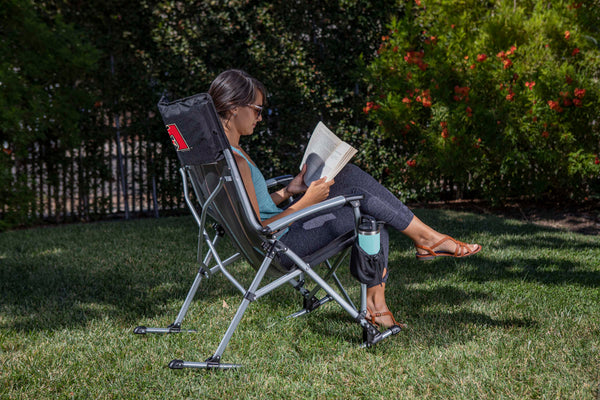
404,81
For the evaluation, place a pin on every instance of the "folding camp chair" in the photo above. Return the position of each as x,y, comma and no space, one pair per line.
209,165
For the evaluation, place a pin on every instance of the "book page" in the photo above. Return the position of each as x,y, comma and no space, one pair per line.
325,155
336,161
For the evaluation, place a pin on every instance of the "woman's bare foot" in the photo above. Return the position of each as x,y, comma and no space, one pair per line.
381,319
431,244
378,312
444,246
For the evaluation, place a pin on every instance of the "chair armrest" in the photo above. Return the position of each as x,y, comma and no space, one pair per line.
286,221
279,180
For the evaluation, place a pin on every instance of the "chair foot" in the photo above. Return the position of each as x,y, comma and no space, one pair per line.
142,330
180,364
372,336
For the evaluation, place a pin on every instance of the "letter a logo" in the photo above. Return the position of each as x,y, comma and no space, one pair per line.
177,139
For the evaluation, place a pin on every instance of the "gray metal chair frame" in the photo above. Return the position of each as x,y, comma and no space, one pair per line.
220,195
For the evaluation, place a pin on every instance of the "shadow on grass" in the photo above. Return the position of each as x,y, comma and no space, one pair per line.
515,251
64,277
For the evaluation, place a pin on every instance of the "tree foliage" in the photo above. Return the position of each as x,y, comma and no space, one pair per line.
44,65
493,99
438,117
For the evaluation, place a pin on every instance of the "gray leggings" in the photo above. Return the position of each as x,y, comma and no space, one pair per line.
307,236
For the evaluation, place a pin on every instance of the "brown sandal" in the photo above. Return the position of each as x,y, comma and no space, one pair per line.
371,318
462,250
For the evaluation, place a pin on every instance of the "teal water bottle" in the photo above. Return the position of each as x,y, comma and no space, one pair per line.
368,235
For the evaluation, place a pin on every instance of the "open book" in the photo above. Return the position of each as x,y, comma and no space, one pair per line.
325,155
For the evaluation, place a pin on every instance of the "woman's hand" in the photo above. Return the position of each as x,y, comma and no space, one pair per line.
317,192
297,185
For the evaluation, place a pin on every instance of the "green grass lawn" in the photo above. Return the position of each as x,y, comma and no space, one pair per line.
519,321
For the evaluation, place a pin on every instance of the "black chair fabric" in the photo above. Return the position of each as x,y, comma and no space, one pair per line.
194,128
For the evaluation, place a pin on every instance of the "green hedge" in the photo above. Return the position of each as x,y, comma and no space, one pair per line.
439,117
493,100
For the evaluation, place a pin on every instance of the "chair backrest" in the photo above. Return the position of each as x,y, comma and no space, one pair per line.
204,151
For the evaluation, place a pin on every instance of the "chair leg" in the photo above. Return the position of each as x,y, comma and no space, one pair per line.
215,360
311,302
175,327
371,334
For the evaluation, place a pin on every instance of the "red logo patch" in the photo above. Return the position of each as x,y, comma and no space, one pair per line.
177,139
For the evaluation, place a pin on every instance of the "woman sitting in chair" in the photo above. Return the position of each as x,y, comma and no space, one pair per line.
238,99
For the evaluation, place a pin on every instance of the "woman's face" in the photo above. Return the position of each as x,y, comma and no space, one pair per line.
248,116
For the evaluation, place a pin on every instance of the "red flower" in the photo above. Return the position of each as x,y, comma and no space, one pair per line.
597,160
510,96
431,40
567,102
416,57
579,93
507,63
577,102
445,133
461,93
411,163
406,100
370,106
554,105
545,134
501,55
469,112
418,2
568,79
481,57
575,51
530,85
567,35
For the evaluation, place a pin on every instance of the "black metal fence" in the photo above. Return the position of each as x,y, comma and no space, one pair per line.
123,176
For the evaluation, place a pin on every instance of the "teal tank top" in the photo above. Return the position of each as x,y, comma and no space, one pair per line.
266,206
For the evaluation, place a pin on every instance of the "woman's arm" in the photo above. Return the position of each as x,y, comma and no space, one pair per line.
296,186
244,169
317,191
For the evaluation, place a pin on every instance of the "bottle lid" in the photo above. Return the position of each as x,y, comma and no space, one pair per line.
368,226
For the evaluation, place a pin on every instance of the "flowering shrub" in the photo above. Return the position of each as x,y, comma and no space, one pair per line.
489,101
